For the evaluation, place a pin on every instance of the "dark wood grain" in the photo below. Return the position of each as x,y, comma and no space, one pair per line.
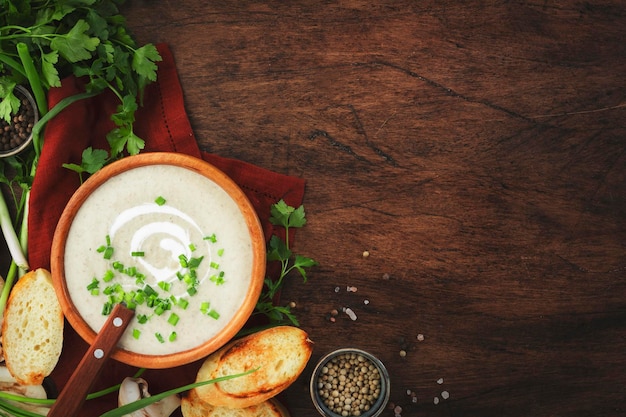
476,150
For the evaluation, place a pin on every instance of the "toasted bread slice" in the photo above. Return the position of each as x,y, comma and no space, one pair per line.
32,330
193,406
278,355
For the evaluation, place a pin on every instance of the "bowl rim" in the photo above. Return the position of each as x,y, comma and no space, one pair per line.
381,402
21,90
258,251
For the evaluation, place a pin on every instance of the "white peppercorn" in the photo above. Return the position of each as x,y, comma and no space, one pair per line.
354,387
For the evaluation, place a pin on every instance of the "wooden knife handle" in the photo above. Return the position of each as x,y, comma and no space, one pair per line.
75,391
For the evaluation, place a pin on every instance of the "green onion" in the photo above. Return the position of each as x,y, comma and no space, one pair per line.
142,318
192,247
173,319
108,253
140,297
108,276
183,303
159,337
204,307
149,291
107,308
173,336
165,286
160,200
220,252
195,262
138,253
136,333
93,285
211,238
213,314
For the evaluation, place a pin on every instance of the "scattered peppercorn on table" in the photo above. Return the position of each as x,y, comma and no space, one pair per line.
465,194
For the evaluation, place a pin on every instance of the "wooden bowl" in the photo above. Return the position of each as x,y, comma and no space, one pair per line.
154,218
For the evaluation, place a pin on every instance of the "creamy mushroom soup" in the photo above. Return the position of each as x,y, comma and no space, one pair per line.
168,242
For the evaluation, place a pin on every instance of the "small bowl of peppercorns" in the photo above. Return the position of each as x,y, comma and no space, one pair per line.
16,135
350,382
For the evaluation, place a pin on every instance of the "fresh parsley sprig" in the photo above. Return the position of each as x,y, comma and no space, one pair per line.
278,250
44,41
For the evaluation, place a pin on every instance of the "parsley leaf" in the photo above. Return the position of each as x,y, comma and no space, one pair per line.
76,45
278,250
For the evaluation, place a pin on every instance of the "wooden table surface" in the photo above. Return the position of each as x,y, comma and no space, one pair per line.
476,151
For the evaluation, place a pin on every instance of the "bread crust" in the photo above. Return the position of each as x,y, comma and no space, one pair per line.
32,330
193,406
277,355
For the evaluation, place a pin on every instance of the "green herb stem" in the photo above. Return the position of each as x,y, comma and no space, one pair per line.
20,398
33,78
15,66
144,402
58,108
17,411
12,240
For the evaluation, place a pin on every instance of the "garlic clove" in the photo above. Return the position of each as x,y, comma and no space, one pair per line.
134,389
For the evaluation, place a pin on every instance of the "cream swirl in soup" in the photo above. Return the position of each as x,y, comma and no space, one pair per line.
170,243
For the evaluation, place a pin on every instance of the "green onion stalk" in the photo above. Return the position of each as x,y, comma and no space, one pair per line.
16,411
17,242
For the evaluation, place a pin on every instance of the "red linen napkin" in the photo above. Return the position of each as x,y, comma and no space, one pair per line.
164,125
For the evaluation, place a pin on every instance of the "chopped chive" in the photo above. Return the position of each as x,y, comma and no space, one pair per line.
204,307
108,253
195,262
94,284
173,319
183,303
136,333
173,336
214,314
220,252
94,291
192,290
149,291
108,240
211,238
142,318
160,200
192,247
159,337
138,253
215,265
107,308
182,259
108,276
164,285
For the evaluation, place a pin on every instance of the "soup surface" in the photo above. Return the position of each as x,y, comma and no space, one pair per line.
167,241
